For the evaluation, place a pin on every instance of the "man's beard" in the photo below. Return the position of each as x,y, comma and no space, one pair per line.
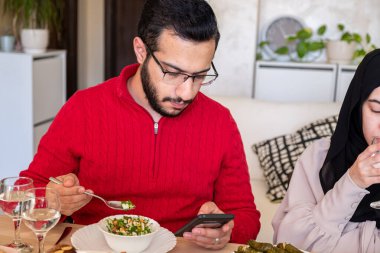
151,94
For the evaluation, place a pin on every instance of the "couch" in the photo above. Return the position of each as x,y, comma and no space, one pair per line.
260,120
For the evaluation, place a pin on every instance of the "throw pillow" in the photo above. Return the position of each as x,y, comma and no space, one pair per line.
277,156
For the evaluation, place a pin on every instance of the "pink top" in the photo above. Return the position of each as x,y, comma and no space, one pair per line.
316,222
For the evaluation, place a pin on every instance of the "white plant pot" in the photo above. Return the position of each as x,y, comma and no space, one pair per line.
34,41
340,51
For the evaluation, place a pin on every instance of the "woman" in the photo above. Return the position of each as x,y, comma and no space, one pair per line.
327,205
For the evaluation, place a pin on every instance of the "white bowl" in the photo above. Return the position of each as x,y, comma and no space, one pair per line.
124,243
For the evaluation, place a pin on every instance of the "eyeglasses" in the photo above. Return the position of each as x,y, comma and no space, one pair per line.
177,78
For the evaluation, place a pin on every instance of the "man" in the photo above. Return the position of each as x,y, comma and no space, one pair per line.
150,136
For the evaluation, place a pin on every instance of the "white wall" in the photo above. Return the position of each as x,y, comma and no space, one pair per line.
235,55
90,43
5,21
238,21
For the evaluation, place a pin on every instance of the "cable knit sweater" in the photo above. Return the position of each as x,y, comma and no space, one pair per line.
167,169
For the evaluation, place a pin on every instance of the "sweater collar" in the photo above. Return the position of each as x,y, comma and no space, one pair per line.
126,73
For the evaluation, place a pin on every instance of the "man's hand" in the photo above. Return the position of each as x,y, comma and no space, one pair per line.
211,238
71,194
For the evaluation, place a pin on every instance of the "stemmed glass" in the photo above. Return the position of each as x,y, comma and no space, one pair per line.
375,204
42,212
12,202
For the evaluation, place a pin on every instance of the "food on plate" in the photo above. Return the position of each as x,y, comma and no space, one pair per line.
127,205
62,248
262,247
129,225
288,247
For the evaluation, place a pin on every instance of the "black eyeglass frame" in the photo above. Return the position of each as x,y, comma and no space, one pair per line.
181,73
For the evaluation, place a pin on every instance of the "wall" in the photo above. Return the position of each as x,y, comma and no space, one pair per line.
5,21
90,42
238,21
234,58
235,55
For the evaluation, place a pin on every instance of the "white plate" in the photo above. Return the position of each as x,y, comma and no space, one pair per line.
90,238
7,249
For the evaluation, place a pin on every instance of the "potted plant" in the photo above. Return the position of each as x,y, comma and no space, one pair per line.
348,47
259,53
364,47
304,45
35,18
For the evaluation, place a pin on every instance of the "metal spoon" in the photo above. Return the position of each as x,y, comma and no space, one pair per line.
114,204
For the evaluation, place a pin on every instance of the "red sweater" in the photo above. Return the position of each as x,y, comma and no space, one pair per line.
108,140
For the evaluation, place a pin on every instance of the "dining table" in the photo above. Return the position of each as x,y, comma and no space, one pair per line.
7,235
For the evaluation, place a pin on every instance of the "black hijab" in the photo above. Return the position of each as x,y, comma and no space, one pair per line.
348,140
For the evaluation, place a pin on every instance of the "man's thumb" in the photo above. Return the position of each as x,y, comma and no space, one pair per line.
70,180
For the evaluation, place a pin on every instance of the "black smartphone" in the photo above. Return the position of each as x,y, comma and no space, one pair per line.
206,221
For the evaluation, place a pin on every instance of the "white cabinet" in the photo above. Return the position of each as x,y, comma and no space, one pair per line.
344,77
32,90
301,82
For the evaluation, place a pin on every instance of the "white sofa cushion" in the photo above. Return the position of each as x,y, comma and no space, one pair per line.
260,120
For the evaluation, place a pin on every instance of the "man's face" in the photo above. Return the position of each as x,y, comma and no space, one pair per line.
179,56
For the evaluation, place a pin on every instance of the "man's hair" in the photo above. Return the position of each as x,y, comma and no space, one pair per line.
190,19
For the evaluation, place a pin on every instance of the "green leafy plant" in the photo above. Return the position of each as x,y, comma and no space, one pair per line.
259,54
34,13
363,45
304,42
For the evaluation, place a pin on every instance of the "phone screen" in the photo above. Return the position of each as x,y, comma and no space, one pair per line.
206,221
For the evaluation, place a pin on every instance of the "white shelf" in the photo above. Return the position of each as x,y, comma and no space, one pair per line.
344,77
301,82
32,90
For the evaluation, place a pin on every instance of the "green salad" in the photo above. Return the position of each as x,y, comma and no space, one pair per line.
129,225
127,205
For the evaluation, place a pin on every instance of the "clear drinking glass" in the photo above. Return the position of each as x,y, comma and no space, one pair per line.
12,202
42,212
375,204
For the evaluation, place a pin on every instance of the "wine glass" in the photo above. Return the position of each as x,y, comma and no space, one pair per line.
375,204
12,202
42,212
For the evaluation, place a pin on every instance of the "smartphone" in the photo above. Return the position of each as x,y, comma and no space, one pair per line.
206,221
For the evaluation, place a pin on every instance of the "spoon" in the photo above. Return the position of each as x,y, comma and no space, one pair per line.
114,204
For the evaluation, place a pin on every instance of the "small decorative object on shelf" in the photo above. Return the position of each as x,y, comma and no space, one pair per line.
7,43
308,47
288,39
349,47
34,18
275,34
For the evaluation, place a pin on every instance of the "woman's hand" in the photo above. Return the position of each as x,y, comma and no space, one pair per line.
211,238
366,169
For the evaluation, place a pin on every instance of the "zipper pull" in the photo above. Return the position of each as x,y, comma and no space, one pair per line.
155,127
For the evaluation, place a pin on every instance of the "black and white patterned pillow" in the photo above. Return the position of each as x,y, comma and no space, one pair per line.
277,156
